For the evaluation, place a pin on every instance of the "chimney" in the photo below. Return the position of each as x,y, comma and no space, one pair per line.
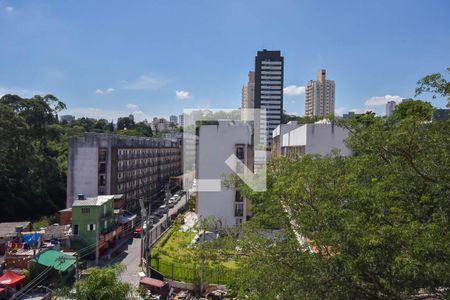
81,197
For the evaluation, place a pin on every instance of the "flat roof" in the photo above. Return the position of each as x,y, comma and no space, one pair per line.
93,201
9,228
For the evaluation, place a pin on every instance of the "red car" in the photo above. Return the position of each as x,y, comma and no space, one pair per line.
137,232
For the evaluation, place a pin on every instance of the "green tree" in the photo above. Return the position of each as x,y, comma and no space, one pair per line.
144,129
414,109
370,226
125,122
32,183
102,284
436,84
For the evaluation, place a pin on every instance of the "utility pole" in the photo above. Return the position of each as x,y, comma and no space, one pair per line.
147,240
97,237
143,220
168,195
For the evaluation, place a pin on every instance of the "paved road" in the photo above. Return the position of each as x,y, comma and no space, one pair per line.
130,257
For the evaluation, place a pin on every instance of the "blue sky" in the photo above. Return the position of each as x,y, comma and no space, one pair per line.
154,58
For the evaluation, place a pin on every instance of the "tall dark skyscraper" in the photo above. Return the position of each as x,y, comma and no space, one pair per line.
269,69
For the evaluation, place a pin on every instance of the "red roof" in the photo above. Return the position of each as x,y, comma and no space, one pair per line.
11,279
152,282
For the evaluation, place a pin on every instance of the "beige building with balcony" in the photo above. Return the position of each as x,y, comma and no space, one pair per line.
319,96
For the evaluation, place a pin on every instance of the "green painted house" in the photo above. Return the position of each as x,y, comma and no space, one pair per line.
92,216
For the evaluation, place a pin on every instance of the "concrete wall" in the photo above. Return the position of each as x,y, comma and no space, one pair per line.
322,138
82,171
216,144
318,139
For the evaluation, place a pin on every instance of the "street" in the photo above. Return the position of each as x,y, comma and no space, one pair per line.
130,257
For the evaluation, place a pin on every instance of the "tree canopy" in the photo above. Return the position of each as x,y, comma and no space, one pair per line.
373,225
33,154
102,284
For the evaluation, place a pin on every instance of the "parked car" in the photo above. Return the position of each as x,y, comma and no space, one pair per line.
137,232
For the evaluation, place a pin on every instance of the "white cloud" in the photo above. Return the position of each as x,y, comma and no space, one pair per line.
105,91
145,82
294,90
139,115
182,95
382,100
9,9
340,111
132,106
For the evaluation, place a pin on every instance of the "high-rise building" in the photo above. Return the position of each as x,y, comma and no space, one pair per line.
269,66
390,106
248,92
108,164
319,96
173,119
181,118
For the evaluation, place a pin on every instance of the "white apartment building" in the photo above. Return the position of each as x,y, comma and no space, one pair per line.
216,144
312,139
390,106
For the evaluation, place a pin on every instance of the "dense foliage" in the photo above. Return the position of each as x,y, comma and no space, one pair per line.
375,225
31,179
33,154
103,284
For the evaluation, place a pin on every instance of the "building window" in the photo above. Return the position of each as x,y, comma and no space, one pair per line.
239,209
91,227
240,152
102,155
75,229
239,197
85,210
102,180
102,168
238,221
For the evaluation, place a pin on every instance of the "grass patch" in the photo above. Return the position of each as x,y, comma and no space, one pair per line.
172,257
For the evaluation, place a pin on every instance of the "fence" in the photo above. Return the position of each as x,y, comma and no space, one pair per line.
192,274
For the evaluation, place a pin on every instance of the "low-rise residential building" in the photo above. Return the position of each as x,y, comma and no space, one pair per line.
108,164
279,131
60,234
312,139
92,217
216,144
10,231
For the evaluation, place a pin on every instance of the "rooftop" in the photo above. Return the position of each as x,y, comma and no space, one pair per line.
58,260
93,201
9,228
57,231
